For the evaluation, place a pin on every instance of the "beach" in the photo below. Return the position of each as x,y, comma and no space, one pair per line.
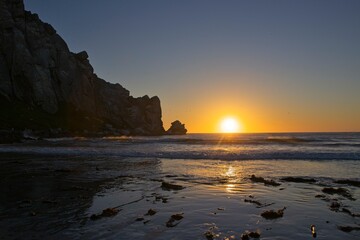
206,120
176,188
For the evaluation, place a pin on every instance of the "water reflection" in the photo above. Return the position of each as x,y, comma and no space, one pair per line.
234,179
230,172
45,195
230,188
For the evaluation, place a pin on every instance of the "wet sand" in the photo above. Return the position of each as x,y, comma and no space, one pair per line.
72,197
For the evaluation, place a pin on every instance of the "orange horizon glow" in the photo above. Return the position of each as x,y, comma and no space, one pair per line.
263,121
262,109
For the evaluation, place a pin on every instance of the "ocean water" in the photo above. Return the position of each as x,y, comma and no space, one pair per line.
271,146
65,181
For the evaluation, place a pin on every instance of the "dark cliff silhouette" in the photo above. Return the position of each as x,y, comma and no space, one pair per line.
47,88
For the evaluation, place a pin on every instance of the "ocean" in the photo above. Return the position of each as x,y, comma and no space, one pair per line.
270,146
51,188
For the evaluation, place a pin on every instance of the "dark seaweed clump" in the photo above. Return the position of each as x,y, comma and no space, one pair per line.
272,214
108,212
348,182
298,180
255,179
348,228
339,191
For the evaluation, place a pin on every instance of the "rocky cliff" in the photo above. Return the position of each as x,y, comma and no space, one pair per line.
44,86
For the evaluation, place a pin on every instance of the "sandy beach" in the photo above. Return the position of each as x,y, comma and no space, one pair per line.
97,197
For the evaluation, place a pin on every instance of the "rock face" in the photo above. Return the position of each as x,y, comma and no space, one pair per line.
177,128
45,86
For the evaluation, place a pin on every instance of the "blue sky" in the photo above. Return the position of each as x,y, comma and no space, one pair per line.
276,65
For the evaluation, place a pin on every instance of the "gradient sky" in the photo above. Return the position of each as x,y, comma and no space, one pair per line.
277,66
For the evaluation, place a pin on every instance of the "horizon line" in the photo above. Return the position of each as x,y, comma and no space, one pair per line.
273,132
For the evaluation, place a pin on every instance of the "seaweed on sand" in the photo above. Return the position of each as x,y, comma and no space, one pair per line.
108,212
255,179
298,179
247,234
272,214
348,228
348,182
339,191
257,203
174,220
151,212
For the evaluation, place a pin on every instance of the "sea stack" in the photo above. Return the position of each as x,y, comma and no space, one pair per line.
177,128
49,89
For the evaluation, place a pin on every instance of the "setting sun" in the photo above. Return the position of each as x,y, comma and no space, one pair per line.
229,125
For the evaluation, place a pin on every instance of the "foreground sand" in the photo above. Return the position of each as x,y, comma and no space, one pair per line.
69,197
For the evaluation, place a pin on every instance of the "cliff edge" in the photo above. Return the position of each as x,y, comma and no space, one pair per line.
45,87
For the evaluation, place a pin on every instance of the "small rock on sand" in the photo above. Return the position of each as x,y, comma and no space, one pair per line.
169,186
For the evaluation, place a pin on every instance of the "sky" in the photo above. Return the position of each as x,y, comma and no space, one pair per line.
275,66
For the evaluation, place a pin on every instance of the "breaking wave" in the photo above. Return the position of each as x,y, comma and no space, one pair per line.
304,146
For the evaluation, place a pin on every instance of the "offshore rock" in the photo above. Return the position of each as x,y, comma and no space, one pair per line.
177,128
44,86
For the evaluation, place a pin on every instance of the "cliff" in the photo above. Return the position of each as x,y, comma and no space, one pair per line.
46,87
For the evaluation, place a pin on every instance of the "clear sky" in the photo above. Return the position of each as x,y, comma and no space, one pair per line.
276,66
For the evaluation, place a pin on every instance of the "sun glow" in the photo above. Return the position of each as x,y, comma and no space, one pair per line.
229,125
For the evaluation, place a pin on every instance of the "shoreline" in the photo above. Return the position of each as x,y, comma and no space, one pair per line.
10,136
56,196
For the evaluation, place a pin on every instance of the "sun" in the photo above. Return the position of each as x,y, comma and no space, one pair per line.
229,125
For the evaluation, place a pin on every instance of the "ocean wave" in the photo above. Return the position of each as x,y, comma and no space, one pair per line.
203,146
247,139
181,154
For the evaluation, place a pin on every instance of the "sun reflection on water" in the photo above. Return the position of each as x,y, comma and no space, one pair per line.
233,179
230,188
230,172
